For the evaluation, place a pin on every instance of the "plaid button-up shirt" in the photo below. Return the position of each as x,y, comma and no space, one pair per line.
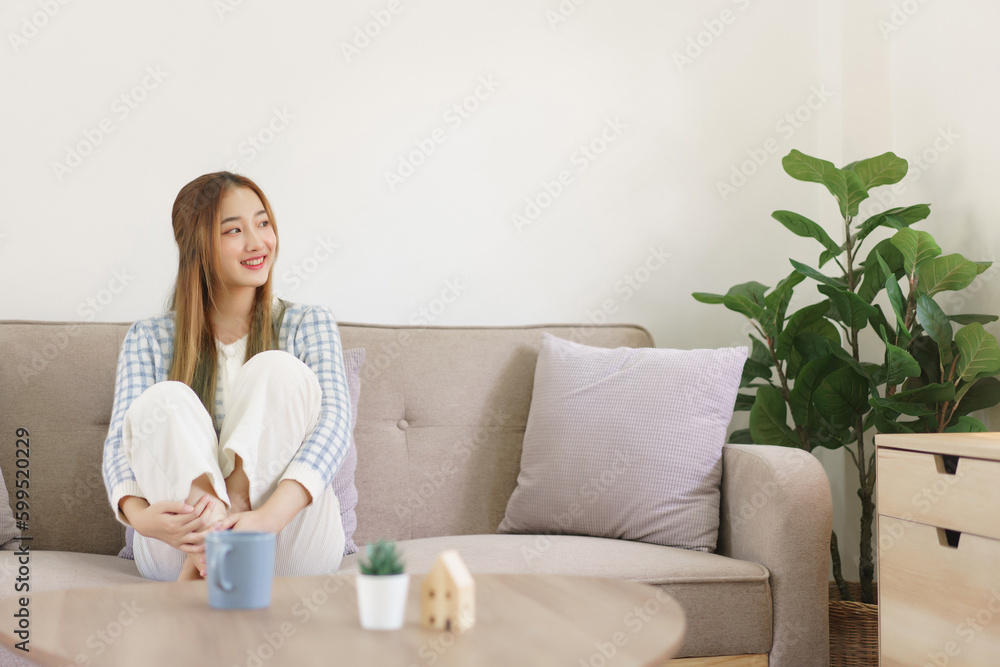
308,332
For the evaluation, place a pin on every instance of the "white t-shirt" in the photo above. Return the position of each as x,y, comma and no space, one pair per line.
231,359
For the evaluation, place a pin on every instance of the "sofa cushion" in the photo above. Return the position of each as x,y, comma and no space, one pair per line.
715,591
343,481
58,570
626,443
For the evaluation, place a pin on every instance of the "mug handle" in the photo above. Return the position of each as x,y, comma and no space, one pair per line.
215,567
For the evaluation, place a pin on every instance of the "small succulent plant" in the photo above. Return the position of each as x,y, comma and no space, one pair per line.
383,559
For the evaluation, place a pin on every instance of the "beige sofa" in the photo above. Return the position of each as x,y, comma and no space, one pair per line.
439,431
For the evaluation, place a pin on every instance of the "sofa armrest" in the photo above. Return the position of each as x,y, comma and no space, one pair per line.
777,511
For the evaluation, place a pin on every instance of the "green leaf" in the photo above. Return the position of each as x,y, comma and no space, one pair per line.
800,398
929,394
803,226
983,266
978,352
945,274
916,246
827,255
796,323
743,402
982,394
897,218
937,326
900,407
899,365
884,169
759,351
842,397
746,298
883,261
847,307
967,425
844,184
926,352
880,323
886,425
768,420
897,301
776,302
969,319
810,272
741,436
813,342
753,370
707,297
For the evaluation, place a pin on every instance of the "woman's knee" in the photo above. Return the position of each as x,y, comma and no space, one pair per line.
162,402
275,364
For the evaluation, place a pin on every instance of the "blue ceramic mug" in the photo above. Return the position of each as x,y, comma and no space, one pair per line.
240,569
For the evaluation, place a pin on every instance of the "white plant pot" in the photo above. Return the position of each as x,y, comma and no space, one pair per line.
382,600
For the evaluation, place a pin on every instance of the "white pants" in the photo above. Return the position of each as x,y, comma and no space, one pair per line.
170,441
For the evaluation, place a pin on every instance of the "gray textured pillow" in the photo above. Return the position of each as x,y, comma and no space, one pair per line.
8,529
626,443
343,481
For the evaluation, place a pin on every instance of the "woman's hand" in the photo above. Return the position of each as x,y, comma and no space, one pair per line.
253,520
176,523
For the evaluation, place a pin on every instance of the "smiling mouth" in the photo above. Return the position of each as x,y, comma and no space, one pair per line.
254,263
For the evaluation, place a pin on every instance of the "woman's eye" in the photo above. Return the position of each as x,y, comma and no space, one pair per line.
266,222
230,231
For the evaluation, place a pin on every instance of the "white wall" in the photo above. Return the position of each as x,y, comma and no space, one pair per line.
94,242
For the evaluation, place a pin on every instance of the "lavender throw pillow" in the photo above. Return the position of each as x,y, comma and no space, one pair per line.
626,443
343,481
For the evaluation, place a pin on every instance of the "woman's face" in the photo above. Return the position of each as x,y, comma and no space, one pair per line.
247,240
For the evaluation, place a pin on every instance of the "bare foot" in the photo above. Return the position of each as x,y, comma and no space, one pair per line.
189,571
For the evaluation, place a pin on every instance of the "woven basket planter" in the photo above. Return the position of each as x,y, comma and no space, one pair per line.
853,629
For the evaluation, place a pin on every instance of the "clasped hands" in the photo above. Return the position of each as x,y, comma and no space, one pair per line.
184,526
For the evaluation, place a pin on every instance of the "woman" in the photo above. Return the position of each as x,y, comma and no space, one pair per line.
231,411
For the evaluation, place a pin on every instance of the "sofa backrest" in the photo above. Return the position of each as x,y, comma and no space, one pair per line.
440,423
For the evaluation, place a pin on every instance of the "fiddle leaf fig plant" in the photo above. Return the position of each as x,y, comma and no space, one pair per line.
877,352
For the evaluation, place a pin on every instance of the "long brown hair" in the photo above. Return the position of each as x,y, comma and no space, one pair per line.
199,288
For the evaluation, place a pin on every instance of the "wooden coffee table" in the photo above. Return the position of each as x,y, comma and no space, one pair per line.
520,619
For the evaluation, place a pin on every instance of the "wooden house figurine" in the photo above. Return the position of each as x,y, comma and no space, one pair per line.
448,595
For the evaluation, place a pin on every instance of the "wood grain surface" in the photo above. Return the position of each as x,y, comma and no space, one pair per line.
521,619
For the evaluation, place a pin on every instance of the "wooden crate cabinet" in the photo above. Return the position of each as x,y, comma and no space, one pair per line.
938,504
